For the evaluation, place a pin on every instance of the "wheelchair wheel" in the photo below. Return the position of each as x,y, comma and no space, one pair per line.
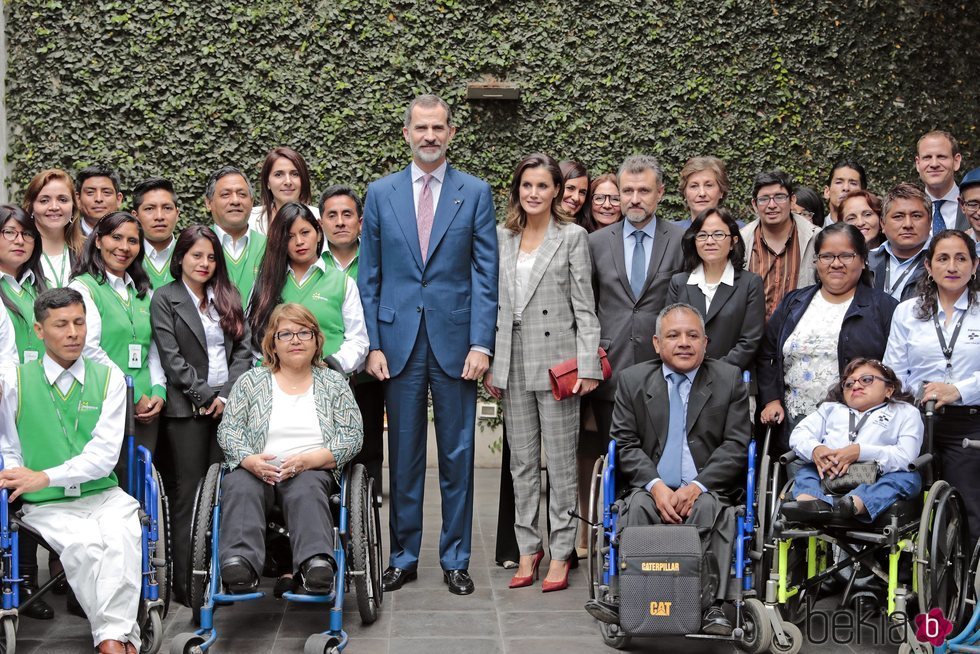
321,644
360,547
794,638
594,539
9,644
151,632
757,632
186,644
199,572
613,636
165,573
942,569
375,545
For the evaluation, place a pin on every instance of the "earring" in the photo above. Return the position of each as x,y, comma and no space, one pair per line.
930,279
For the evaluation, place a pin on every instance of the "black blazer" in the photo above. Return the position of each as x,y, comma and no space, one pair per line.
877,264
717,419
736,319
864,333
179,335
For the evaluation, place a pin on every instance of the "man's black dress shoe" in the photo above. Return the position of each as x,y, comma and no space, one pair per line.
318,573
459,581
38,609
238,575
714,622
603,611
813,511
394,578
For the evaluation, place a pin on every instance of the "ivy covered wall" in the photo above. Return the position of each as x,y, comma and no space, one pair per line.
180,87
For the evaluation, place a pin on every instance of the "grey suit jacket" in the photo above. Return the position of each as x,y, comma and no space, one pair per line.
736,319
628,322
558,319
717,425
179,335
878,265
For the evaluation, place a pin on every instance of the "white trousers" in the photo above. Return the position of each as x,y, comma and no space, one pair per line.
98,538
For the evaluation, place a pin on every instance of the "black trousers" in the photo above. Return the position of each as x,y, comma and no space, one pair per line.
305,502
192,446
506,546
960,467
370,398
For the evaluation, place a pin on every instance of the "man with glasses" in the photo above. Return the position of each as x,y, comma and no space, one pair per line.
632,263
778,246
970,203
906,220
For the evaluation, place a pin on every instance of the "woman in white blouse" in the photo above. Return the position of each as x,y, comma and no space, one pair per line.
867,418
200,330
285,178
934,347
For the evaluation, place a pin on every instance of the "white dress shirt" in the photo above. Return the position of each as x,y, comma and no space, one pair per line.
93,323
56,269
214,337
916,356
949,208
696,278
98,458
353,351
891,437
257,220
435,184
230,245
689,471
158,259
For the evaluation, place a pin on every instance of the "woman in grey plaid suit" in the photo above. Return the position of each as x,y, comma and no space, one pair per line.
546,315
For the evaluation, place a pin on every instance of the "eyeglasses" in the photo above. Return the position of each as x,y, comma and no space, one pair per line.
972,206
806,214
845,258
780,198
601,199
286,336
12,234
701,237
864,380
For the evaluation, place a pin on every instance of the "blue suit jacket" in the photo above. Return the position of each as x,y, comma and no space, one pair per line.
456,287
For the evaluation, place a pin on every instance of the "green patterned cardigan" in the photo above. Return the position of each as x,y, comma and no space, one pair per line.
245,424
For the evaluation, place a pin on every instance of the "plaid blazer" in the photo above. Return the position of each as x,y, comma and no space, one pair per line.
558,319
244,426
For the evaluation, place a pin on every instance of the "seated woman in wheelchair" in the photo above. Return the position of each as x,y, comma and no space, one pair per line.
867,420
289,427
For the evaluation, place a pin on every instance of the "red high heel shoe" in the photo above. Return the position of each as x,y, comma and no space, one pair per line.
520,582
561,584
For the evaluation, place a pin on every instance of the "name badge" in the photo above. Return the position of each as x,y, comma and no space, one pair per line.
135,356
73,491
30,355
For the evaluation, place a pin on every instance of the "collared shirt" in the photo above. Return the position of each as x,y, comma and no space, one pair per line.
99,456
895,268
336,262
93,324
26,279
229,244
629,244
696,278
8,336
160,259
689,471
950,206
86,230
435,184
353,351
780,272
891,437
916,356
214,337
56,269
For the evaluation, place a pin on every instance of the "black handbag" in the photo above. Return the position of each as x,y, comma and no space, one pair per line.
857,474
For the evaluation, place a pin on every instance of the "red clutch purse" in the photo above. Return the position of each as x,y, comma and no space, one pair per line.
564,375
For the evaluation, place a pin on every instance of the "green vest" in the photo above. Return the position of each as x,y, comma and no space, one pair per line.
123,323
351,270
158,278
323,294
243,270
24,335
43,442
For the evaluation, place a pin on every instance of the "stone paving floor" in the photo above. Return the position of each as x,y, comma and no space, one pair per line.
422,617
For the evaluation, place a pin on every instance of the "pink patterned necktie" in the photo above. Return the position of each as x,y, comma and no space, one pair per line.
426,215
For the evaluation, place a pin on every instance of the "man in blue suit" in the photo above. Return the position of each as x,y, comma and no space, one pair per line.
428,283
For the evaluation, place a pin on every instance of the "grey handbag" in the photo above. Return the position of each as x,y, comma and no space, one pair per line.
857,474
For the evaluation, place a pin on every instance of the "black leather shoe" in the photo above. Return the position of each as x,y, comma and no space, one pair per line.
714,622
38,609
811,511
844,508
318,573
459,581
284,584
238,575
394,578
603,611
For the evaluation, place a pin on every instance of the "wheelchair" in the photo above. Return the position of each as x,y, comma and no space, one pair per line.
145,485
914,553
356,549
756,628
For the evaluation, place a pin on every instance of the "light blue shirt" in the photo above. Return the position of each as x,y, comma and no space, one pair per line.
896,268
629,242
689,471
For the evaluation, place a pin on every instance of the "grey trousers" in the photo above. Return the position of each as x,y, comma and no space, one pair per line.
305,502
534,418
715,521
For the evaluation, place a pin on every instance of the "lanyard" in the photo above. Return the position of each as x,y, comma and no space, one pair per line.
912,264
948,349
61,418
853,429
127,307
59,279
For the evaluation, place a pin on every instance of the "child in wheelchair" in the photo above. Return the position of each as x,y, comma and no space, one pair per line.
857,447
